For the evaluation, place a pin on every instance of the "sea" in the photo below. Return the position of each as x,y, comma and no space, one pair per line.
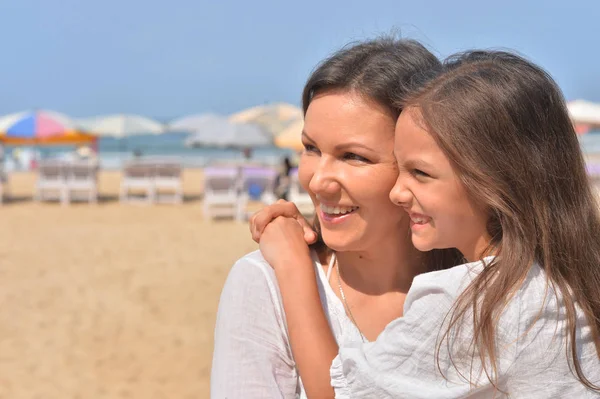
113,152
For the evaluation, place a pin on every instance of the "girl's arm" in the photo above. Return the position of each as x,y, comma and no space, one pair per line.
313,344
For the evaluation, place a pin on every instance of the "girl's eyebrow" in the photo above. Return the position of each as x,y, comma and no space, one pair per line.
418,163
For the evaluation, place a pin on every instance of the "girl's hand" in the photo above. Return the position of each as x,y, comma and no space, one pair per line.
283,244
262,218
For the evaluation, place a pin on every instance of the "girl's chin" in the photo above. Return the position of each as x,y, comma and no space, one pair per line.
423,245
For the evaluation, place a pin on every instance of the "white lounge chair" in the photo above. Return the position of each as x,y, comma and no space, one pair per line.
51,181
82,180
167,177
257,184
137,177
299,196
4,185
221,192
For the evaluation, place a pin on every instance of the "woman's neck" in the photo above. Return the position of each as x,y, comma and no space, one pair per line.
389,267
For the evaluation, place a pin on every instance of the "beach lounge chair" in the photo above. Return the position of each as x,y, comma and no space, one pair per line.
168,177
299,196
82,180
221,192
258,185
4,185
51,181
137,177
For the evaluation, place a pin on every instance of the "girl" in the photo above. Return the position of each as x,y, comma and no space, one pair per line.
489,164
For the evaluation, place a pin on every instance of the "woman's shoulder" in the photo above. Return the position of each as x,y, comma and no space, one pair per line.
253,271
255,262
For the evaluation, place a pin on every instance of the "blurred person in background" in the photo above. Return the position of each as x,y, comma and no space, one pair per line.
282,183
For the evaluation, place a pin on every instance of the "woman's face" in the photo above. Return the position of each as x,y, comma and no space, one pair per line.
441,212
348,168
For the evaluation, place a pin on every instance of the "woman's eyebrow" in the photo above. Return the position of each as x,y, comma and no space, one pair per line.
305,135
345,146
342,146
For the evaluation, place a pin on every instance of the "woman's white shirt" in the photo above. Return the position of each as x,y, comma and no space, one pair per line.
532,360
252,355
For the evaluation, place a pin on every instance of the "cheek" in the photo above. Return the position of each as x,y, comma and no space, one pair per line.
378,192
306,171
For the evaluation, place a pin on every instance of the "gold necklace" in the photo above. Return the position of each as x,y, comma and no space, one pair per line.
347,308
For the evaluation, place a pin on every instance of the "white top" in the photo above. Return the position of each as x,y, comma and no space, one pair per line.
252,354
532,359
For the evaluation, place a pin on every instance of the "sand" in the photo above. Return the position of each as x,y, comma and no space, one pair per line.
110,300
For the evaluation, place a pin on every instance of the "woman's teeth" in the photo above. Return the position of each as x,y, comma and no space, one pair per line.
338,210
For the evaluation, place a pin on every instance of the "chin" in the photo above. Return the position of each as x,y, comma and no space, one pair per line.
422,245
340,244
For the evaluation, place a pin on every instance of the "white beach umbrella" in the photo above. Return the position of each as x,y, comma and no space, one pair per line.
274,118
291,137
214,131
584,112
121,125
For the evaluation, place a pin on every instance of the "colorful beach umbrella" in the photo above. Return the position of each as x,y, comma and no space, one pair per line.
41,127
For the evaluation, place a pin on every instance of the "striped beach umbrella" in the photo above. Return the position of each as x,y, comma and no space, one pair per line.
41,127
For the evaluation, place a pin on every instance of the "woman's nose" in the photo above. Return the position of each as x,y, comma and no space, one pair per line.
325,179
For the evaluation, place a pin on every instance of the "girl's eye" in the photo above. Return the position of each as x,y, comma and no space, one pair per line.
420,173
354,157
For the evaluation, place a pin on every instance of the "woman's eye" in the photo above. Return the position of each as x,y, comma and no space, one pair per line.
310,148
354,157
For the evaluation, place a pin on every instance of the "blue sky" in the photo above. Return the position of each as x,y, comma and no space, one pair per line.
170,58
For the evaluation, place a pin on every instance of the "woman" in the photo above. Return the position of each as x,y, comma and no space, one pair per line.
348,168
489,164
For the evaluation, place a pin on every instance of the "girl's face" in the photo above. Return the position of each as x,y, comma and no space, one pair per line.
441,213
348,168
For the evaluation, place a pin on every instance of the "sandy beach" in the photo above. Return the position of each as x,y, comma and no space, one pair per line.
110,300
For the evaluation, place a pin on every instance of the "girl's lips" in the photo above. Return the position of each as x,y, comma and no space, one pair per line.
417,226
418,221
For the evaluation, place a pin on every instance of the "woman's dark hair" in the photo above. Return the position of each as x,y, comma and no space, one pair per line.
383,70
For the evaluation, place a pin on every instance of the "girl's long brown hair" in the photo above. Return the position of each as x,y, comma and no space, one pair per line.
503,124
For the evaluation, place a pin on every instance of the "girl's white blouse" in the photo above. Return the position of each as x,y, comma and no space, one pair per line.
532,357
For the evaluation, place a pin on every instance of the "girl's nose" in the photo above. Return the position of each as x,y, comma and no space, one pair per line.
400,194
